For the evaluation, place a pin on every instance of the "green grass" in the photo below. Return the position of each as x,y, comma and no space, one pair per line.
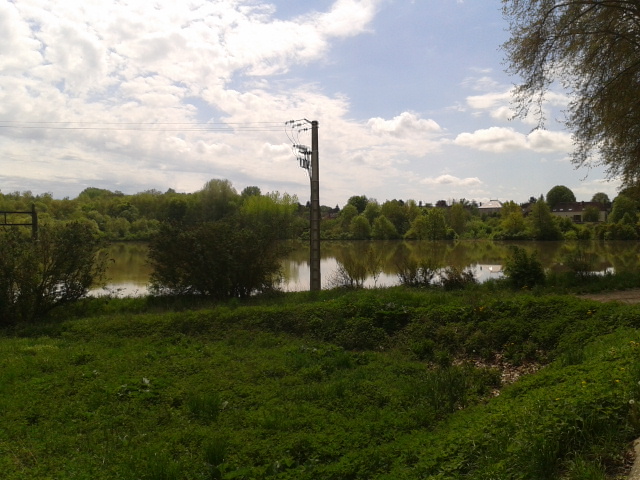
341,385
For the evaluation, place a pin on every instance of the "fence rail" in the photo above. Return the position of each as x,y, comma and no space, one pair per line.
33,224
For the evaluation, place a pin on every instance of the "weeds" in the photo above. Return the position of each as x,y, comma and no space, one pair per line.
205,406
392,383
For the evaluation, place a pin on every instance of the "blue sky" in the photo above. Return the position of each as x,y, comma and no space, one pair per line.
411,97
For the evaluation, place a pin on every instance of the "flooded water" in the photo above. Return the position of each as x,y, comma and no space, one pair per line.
128,272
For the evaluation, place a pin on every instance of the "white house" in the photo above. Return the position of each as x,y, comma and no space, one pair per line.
492,206
576,210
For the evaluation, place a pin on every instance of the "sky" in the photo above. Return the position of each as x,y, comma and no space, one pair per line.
411,98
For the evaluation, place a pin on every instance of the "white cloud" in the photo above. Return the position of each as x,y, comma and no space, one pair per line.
404,125
348,17
494,139
483,83
18,50
148,86
503,114
489,101
545,141
497,103
503,140
450,180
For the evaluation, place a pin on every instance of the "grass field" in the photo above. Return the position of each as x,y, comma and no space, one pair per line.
370,384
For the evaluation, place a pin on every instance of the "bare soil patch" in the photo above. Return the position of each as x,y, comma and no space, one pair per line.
623,296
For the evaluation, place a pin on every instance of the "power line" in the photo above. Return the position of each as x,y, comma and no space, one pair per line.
138,123
302,152
145,126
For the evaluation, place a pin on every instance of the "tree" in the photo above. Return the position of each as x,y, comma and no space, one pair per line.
383,229
358,201
218,199
348,213
372,211
222,259
270,214
543,223
251,191
360,228
512,221
523,270
560,194
593,48
398,214
591,214
458,218
623,206
602,198
57,269
430,226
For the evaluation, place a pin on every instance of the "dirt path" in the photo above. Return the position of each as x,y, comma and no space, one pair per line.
635,470
630,297
623,296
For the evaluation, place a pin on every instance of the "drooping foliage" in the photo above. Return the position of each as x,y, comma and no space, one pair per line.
592,48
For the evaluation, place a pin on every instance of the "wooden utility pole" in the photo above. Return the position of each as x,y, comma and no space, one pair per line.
311,166
315,283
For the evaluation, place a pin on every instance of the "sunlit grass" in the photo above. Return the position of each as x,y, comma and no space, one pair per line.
288,388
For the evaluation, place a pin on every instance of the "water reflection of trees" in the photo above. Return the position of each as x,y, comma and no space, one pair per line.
130,264
554,256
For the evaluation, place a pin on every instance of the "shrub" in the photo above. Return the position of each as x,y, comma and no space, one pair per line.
453,278
348,275
223,259
416,274
360,333
355,267
581,264
523,269
39,275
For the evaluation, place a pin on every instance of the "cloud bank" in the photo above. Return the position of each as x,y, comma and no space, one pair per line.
139,95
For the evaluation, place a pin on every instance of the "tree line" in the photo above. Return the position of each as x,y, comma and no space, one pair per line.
364,218
214,243
219,243
115,216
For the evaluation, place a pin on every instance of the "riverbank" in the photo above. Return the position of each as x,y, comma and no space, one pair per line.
376,384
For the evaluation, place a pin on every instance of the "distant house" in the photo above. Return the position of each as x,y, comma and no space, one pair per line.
490,207
576,210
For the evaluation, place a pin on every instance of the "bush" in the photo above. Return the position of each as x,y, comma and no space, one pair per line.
581,264
58,268
523,270
416,274
223,259
453,278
